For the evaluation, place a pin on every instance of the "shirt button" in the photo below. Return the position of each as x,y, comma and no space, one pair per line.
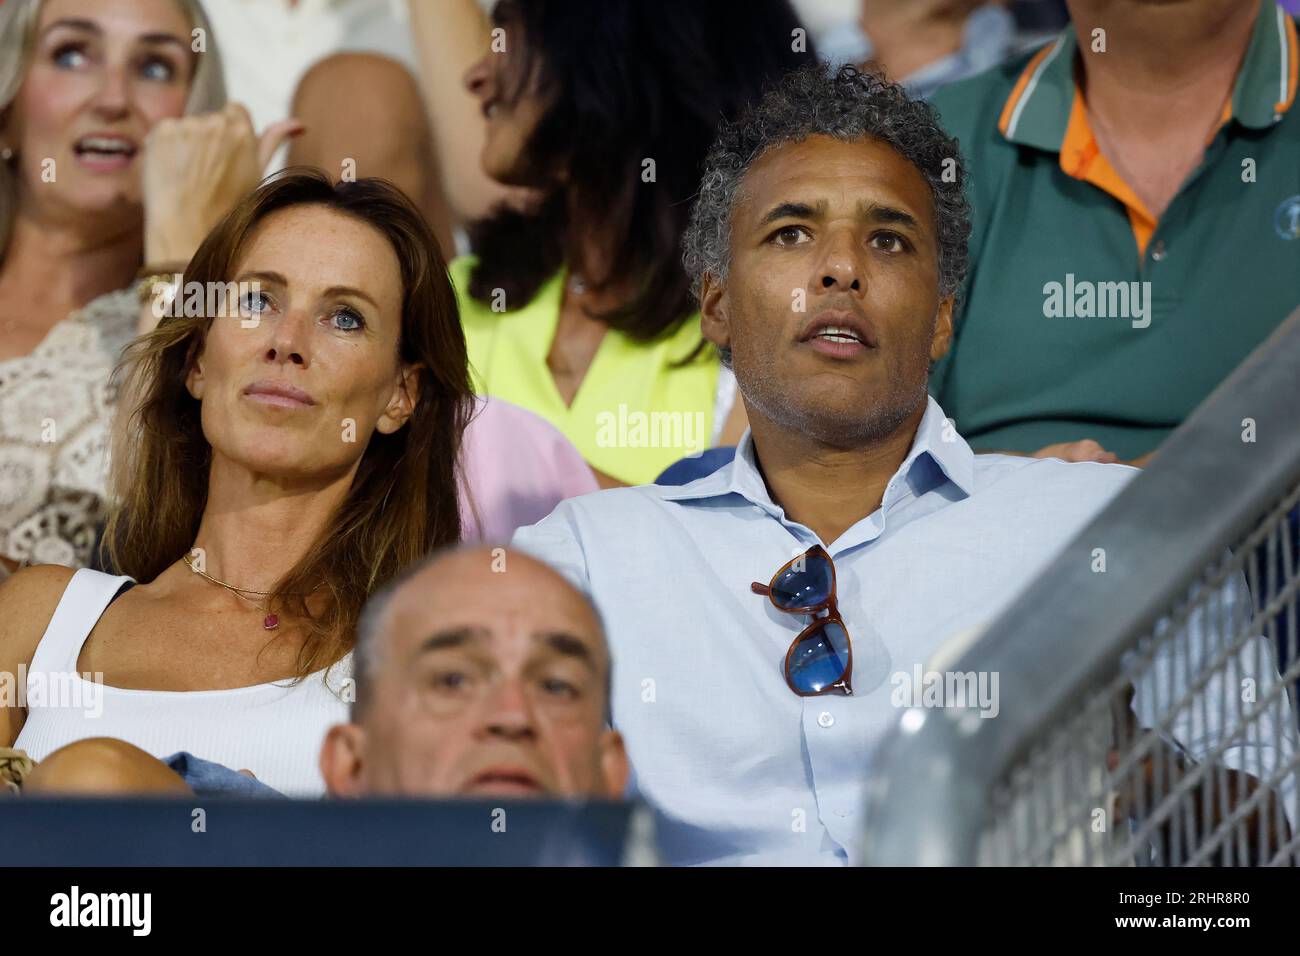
1158,251
825,718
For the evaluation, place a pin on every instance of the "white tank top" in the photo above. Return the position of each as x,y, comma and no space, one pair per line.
275,730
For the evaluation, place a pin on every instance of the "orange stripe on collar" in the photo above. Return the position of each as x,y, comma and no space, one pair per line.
1018,91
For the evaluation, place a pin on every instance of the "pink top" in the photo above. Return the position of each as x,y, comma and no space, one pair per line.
517,468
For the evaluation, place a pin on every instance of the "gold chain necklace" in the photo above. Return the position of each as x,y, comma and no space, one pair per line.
270,622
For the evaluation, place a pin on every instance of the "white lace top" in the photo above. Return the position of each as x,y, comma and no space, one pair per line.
55,407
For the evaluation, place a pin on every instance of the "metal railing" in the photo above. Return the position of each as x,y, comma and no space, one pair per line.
1143,719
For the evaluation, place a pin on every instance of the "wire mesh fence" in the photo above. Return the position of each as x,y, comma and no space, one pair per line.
1149,714
1188,755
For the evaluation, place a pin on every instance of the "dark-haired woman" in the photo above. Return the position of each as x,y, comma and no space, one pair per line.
577,307
288,456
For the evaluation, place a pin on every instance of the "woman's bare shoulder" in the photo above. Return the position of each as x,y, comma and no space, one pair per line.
27,602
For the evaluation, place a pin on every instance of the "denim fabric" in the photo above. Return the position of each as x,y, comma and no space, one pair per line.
204,776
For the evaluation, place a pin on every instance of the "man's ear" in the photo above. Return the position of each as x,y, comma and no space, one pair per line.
613,764
341,760
941,341
401,404
714,321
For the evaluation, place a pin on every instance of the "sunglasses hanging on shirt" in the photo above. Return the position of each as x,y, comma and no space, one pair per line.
820,660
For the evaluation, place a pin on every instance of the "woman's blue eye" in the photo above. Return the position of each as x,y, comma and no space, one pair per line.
70,56
347,320
254,303
158,69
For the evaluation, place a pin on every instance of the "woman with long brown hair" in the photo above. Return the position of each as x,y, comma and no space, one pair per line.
286,457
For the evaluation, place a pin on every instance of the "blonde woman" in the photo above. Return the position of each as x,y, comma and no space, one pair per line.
117,155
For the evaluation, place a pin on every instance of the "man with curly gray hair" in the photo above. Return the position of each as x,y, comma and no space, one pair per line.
766,619
847,105
908,217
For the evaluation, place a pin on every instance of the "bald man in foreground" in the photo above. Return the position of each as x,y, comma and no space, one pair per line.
481,672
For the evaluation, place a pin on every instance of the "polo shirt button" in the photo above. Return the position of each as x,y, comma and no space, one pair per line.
825,718
1158,251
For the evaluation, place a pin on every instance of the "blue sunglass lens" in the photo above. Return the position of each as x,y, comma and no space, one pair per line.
820,659
806,583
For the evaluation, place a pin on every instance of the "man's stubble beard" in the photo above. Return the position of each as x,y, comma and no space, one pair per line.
905,392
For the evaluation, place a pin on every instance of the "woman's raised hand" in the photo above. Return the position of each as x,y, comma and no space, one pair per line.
195,169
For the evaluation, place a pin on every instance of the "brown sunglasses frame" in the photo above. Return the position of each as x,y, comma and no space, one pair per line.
841,686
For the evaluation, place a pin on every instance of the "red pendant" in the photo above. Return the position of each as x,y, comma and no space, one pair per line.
271,622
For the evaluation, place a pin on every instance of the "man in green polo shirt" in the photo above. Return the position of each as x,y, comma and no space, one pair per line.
1136,193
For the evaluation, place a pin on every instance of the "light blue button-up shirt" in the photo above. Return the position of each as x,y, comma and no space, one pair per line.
738,767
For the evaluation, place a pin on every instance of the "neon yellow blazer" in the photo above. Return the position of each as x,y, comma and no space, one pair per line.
634,413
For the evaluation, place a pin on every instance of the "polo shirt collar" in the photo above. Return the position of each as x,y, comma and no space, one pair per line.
1037,113
1266,82
938,455
1038,109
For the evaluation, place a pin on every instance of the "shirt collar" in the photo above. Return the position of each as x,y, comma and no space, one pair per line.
938,454
1266,83
1037,112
